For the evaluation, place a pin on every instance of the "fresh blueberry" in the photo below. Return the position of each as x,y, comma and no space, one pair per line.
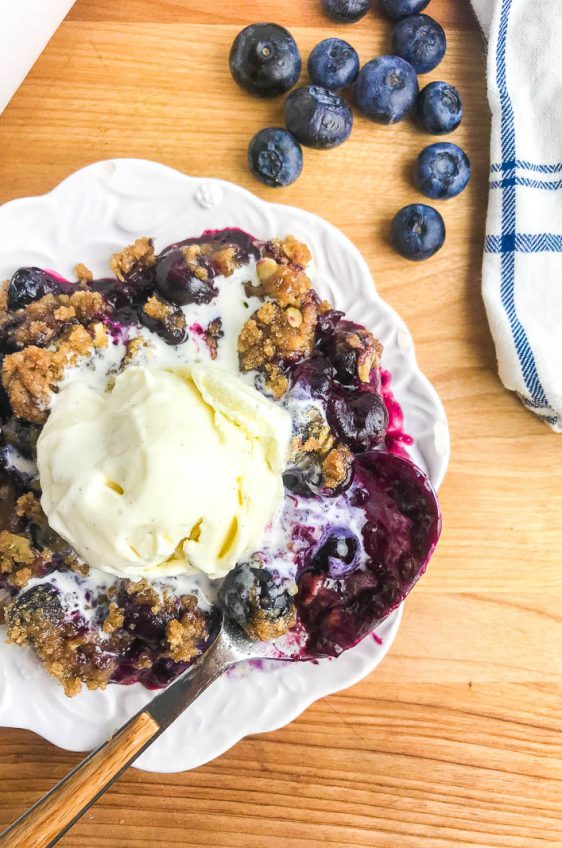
421,41
265,60
359,417
317,117
442,170
275,157
439,108
417,232
386,89
333,64
397,9
29,284
346,11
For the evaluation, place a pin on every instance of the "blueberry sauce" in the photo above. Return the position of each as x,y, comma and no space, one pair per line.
396,440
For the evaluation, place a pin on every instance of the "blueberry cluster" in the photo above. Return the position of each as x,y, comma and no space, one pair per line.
265,61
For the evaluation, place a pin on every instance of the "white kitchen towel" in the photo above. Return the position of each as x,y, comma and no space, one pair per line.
25,28
522,270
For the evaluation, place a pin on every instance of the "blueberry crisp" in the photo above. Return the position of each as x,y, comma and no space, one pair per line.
196,434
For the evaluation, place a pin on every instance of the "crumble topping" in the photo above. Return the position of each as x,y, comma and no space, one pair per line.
164,318
114,619
44,320
186,633
336,466
288,250
83,273
70,653
134,349
262,626
30,376
224,261
315,442
4,285
288,285
274,335
28,545
213,334
140,253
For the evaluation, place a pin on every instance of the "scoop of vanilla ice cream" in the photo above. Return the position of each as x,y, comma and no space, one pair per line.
171,470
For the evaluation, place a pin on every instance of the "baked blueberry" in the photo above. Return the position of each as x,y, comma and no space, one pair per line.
417,232
397,9
29,284
439,108
421,41
386,89
165,319
339,554
318,117
360,418
352,350
252,598
265,60
346,11
275,157
21,435
442,170
182,282
333,64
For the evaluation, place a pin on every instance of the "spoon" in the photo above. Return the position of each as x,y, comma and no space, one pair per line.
49,819
402,527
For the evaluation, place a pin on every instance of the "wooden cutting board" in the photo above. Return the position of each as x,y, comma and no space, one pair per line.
455,740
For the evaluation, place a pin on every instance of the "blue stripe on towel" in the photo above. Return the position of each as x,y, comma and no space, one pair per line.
523,165
525,243
507,290
526,182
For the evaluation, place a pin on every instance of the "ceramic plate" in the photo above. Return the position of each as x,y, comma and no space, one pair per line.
91,215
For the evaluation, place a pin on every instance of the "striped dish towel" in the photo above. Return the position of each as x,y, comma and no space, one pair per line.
522,271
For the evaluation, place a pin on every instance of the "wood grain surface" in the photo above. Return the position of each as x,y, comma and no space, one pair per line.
455,740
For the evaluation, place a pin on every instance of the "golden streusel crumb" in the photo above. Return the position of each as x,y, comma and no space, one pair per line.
4,296
142,252
114,619
336,466
296,251
286,284
185,635
83,273
30,375
273,334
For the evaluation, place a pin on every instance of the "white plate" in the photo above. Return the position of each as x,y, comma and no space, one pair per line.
92,214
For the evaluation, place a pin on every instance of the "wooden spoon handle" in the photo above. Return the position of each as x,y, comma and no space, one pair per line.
44,824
